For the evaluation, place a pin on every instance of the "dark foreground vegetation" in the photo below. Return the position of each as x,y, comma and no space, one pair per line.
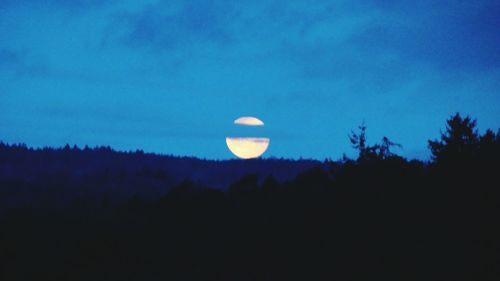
379,217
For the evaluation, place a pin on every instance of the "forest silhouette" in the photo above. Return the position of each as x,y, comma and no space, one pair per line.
98,214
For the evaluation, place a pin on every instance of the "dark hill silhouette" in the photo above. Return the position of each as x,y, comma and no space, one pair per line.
379,217
54,177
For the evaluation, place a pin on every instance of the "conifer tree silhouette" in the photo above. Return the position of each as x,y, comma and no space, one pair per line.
460,140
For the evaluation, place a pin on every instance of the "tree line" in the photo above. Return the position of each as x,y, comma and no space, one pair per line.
379,216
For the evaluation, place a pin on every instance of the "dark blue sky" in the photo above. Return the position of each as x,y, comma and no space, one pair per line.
171,76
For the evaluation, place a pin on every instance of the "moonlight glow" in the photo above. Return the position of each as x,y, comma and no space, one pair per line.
248,147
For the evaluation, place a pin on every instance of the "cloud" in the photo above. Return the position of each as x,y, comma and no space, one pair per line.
449,34
9,57
19,63
73,5
168,25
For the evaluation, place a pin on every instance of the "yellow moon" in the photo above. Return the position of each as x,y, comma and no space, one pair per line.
247,147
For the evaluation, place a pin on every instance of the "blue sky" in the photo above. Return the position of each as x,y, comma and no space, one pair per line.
171,76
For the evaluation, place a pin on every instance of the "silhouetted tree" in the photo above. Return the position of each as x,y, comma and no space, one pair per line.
386,219
459,141
358,142
270,184
384,149
246,183
375,152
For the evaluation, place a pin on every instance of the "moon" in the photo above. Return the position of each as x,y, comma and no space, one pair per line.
248,121
248,147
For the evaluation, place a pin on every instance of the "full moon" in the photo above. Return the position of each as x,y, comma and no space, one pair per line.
247,147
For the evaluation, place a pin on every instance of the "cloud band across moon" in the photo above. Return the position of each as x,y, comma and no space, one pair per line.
248,147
